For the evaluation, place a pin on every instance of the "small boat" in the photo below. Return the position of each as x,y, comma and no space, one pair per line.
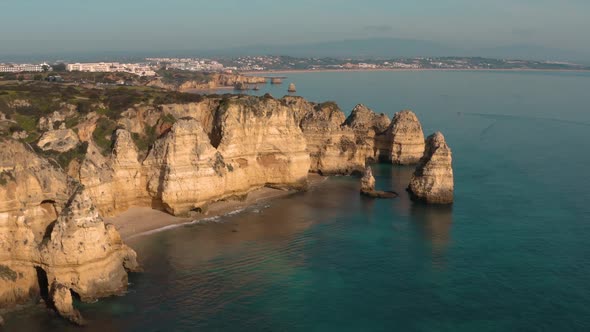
256,88
292,88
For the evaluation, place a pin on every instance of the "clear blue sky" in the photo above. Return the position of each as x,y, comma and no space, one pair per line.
132,25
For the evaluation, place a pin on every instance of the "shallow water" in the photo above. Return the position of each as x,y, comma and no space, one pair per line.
512,253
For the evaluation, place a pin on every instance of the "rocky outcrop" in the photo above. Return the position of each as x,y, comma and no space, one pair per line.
405,138
116,182
214,81
333,148
432,181
292,88
58,140
51,121
61,298
48,231
368,181
368,186
233,79
370,128
362,119
250,145
84,254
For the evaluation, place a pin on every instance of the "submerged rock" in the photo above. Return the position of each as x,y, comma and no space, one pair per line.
406,138
432,181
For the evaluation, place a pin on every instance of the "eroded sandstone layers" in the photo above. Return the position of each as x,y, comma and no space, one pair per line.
405,138
178,157
51,232
432,181
368,186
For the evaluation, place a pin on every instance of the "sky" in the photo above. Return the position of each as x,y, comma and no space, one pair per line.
42,26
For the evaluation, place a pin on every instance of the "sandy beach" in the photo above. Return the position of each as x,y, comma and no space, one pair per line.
141,221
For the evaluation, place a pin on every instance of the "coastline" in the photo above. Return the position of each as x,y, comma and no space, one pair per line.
142,221
295,71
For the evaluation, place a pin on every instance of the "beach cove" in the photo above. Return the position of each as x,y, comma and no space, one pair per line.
510,254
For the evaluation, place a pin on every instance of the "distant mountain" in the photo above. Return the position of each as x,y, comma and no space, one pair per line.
381,47
353,48
393,47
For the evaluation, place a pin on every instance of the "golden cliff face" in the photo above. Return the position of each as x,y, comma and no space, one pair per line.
433,181
250,144
199,152
214,151
405,138
51,232
332,146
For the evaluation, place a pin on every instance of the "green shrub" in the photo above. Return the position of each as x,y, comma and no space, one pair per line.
169,119
27,123
102,135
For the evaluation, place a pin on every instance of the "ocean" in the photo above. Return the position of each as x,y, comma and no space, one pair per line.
511,254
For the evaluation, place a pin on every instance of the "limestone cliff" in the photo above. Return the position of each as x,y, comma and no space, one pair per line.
405,138
250,145
84,254
370,128
432,181
214,81
333,148
51,232
116,182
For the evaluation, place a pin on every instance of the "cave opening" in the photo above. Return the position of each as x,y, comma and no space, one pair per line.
43,286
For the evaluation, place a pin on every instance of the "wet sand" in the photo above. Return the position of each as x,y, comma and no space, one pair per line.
140,221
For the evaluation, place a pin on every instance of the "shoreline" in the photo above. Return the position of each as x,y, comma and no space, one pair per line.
142,221
296,71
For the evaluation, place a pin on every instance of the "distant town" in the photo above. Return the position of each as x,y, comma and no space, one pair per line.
150,67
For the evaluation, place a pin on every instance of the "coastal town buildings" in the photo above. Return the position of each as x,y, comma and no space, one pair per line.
19,68
190,64
139,69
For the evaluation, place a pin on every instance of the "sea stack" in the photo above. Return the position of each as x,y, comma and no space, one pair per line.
368,186
406,138
432,181
292,88
368,181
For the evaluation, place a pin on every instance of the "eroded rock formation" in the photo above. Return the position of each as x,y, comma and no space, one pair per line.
432,181
370,129
61,298
50,231
178,158
405,138
368,181
62,140
368,186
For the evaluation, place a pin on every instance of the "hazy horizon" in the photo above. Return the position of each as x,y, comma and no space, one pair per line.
42,28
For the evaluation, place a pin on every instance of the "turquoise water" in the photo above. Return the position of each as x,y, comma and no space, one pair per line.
512,253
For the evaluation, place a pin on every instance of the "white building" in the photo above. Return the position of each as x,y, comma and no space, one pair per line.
19,68
109,67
